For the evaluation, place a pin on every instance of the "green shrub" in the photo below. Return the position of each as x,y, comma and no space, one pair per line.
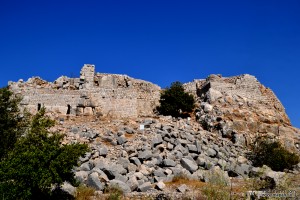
175,102
272,154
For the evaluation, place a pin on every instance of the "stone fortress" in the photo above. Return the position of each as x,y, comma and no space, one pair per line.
90,94
235,105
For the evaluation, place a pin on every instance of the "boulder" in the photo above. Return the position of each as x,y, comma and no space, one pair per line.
124,187
145,155
94,181
132,183
189,164
169,163
145,187
81,176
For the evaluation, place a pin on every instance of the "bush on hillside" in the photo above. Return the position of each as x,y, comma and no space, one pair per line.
272,154
175,101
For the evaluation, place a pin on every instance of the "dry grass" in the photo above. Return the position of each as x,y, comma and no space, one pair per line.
129,136
84,193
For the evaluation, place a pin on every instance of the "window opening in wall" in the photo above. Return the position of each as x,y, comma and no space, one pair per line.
39,107
69,109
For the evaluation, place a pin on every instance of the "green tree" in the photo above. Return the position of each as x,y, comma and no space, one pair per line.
175,101
11,123
38,162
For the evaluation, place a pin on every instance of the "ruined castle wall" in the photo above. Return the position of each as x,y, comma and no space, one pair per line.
91,94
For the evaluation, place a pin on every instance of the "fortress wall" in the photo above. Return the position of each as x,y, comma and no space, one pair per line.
91,94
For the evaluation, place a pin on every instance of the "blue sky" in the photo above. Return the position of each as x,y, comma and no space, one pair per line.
159,41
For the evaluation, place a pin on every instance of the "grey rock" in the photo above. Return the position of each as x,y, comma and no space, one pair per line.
86,157
182,188
121,140
279,178
114,170
213,95
145,155
136,161
121,178
211,152
103,151
145,187
169,163
102,176
74,130
81,176
124,187
133,183
222,163
243,169
160,186
132,167
129,130
159,172
198,146
93,181
85,167
178,155
238,139
139,175
67,187
189,164
157,140
124,162
192,148
170,146
147,121
166,128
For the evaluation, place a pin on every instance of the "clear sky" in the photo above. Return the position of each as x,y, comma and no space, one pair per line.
156,40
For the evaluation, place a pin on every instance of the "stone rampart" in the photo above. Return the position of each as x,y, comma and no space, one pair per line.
90,94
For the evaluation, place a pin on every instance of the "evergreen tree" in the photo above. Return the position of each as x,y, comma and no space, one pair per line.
175,101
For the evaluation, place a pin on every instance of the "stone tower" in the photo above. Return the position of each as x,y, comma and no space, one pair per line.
87,75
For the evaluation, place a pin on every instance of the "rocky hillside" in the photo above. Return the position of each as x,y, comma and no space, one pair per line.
241,108
144,154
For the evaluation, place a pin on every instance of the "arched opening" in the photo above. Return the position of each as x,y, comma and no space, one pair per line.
69,110
39,106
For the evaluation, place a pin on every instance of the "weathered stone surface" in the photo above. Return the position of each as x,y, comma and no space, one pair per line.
67,187
169,163
160,186
94,181
182,188
189,164
145,155
81,175
211,152
145,187
124,187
